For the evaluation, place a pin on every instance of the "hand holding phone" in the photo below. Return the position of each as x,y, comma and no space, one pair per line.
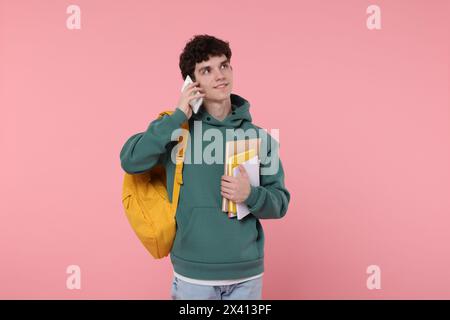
196,101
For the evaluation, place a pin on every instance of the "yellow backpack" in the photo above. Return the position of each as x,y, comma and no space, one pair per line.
147,205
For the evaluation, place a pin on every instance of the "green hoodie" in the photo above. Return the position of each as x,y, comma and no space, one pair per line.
208,245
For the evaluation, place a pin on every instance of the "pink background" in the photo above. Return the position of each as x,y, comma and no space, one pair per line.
364,130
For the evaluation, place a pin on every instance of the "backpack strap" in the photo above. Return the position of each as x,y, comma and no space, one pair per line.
178,179
178,176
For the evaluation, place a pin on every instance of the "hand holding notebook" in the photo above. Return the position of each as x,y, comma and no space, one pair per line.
252,168
236,153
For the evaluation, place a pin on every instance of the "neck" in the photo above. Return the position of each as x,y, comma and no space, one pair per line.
218,109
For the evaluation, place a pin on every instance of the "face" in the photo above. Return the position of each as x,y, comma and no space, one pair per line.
212,73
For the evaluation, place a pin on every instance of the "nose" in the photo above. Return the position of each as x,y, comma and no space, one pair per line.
219,75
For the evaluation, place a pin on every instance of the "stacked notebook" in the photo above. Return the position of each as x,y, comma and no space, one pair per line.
245,152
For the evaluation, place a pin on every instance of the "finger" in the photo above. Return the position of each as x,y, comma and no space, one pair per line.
226,195
227,189
195,89
189,87
196,96
228,178
228,185
195,93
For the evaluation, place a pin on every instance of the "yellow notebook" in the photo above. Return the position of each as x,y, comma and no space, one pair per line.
233,162
232,150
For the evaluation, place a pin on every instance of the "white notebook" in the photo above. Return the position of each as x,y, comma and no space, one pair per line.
252,168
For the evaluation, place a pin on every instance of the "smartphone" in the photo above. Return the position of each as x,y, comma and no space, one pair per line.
195,103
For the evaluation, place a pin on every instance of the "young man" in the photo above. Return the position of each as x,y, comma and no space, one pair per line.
213,256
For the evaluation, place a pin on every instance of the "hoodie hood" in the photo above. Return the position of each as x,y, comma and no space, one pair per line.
239,113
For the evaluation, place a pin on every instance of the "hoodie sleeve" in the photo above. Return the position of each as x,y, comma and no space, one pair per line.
270,199
145,150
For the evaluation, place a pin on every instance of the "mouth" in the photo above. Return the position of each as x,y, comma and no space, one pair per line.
221,86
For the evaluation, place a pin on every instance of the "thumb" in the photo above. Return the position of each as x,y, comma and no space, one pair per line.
242,170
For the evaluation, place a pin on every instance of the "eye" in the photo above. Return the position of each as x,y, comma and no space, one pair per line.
225,65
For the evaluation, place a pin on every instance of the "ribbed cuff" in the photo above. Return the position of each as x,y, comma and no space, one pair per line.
252,197
178,116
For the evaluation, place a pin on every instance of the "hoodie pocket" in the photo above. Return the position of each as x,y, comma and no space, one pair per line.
209,236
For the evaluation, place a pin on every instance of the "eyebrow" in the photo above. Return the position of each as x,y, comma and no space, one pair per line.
224,61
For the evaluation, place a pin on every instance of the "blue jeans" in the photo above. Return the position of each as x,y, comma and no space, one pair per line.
247,290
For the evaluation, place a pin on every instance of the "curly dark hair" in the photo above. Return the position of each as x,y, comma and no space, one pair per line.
201,48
